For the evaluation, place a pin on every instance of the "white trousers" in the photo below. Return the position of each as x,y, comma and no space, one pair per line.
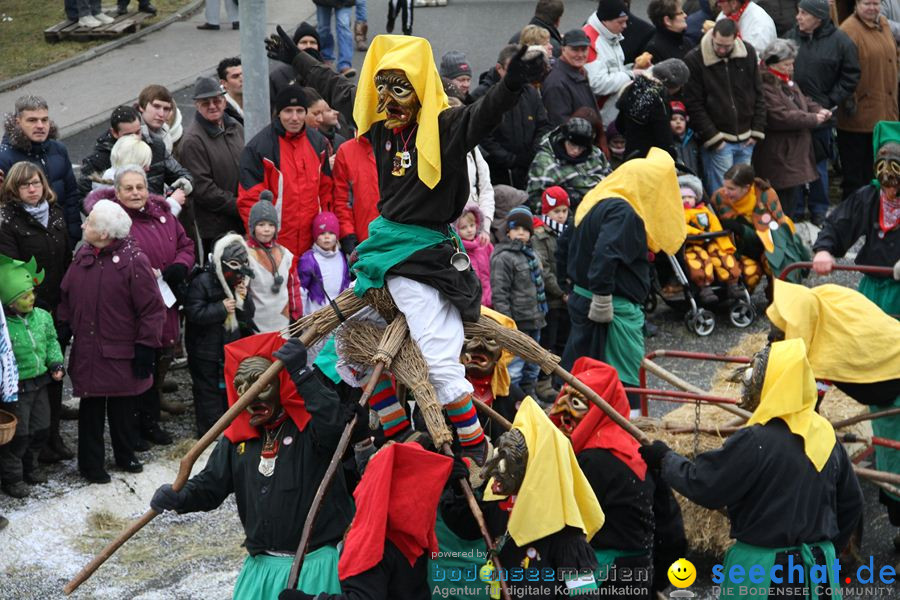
437,328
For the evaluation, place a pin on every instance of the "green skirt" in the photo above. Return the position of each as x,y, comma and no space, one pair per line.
748,556
887,459
883,292
263,577
625,340
453,574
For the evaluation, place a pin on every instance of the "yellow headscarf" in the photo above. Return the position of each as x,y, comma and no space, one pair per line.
555,492
500,379
848,337
650,186
413,56
789,394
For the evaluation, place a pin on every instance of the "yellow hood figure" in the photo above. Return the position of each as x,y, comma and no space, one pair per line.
553,492
650,186
399,83
789,394
847,337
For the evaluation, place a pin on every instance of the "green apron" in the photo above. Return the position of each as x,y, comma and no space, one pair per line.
882,291
788,248
624,337
390,244
887,459
263,577
458,554
606,557
327,360
748,556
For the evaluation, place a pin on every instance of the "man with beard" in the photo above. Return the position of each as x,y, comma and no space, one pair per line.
420,149
272,458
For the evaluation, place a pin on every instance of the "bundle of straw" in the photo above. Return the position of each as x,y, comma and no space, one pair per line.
325,320
515,341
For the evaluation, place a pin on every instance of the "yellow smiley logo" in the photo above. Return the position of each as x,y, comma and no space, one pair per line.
682,573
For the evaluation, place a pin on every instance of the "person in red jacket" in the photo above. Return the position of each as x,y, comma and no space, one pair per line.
287,158
355,178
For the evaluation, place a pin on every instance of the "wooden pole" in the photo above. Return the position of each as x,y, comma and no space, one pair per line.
493,414
678,382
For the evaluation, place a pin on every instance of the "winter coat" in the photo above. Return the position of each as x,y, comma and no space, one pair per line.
480,255
544,243
204,317
23,237
565,90
667,44
53,159
827,64
355,194
513,291
756,27
606,70
783,14
785,158
552,166
695,21
212,156
111,301
96,163
323,274
875,97
34,343
510,148
636,36
273,311
687,152
289,166
481,191
724,96
161,237
644,116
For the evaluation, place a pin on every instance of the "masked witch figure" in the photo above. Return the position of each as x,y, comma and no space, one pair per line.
787,485
635,210
538,506
420,146
644,531
851,343
272,458
486,365
217,311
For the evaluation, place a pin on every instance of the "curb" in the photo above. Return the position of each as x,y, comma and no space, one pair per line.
21,80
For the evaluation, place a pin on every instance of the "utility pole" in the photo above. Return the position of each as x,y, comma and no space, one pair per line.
255,66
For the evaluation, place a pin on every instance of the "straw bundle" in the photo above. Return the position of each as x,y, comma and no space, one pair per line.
514,341
325,320
358,339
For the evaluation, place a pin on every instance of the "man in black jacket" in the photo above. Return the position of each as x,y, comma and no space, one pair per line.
566,88
547,14
510,148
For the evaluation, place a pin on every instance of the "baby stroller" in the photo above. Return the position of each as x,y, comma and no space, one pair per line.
701,320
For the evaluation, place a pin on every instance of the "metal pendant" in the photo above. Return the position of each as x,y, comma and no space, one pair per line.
267,466
460,261
405,160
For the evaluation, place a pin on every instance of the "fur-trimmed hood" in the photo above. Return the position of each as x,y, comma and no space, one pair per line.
15,137
216,264
709,55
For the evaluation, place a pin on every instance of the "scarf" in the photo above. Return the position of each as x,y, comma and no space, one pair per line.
780,75
252,242
40,212
758,206
889,217
555,228
311,275
536,277
736,16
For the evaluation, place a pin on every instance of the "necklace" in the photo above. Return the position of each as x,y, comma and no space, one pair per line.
269,452
402,158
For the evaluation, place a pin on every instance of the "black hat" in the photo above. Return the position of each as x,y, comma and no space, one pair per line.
207,87
520,216
292,95
610,10
817,8
578,131
576,38
304,29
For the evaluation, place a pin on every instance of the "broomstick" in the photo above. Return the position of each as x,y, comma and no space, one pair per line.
317,325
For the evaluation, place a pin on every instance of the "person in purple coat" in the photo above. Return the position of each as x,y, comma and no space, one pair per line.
160,236
111,303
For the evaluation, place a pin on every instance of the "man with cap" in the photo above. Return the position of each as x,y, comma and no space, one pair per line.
606,61
306,38
567,88
211,150
755,26
827,70
285,158
455,67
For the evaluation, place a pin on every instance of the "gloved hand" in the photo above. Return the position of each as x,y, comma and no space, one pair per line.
522,71
314,52
601,310
348,244
165,498
897,270
175,274
295,595
654,454
280,46
361,427
63,333
183,184
458,472
144,362
293,354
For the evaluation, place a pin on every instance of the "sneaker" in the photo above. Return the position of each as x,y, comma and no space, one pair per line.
96,477
89,22
104,18
208,27
35,478
132,466
154,433
16,490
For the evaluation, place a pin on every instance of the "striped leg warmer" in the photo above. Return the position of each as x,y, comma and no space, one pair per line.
465,419
384,401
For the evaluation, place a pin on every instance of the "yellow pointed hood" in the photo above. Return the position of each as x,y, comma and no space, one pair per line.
500,379
650,186
413,56
789,394
555,492
848,337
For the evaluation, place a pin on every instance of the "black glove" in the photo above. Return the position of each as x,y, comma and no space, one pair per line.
654,453
314,52
165,498
295,595
348,244
521,71
361,429
458,472
280,46
63,333
293,355
144,361
175,274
